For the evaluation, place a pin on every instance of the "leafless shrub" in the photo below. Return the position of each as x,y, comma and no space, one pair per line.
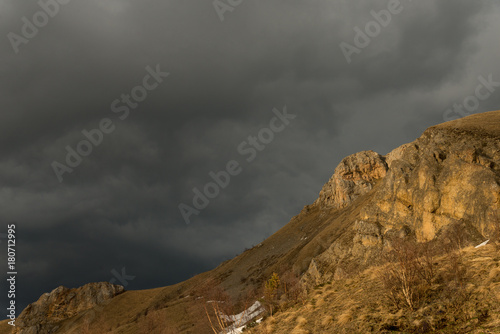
425,262
411,280
409,273
455,288
216,304
220,308
292,288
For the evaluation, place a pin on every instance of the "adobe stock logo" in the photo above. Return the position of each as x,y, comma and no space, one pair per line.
250,148
483,91
122,107
30,28
222,6
122,277
373,28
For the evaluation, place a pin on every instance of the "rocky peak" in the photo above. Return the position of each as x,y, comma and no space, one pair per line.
354,176
447,179
63,303
451,174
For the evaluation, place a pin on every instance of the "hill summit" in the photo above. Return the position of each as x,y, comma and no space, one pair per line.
413,211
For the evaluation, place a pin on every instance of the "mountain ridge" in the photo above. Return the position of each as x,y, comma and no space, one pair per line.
449,176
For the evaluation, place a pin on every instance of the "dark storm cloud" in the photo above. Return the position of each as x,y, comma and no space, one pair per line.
119,207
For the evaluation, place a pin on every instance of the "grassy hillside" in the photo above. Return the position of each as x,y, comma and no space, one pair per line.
463,296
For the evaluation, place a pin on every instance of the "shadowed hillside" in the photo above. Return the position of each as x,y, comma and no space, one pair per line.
427,200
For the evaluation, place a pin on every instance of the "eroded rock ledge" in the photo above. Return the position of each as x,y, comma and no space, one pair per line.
62,303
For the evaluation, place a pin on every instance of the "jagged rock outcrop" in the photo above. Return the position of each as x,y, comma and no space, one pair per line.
449,176
62,303
354,176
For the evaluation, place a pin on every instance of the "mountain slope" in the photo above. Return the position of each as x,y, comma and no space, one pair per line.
448,178
361,303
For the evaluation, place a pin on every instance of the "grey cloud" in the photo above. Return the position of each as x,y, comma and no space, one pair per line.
119,207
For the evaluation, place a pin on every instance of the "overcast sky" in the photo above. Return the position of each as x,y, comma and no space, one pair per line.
103,64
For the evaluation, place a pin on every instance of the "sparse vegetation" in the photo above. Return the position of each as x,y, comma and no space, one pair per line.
407,278
271,292
428,289
216,304
220,309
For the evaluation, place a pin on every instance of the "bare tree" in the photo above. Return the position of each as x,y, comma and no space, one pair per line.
408,273
216,303
292,288
221,310
425,261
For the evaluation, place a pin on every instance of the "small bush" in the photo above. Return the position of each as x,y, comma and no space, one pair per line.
409,274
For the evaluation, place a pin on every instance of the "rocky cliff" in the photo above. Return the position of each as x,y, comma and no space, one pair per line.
354,176
448,177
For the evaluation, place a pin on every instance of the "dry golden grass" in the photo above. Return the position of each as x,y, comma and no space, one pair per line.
301,321
327,320
5,327
487,122
345,317
359,305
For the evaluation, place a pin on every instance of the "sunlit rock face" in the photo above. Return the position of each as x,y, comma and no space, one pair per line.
451,174
354,176
448,177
